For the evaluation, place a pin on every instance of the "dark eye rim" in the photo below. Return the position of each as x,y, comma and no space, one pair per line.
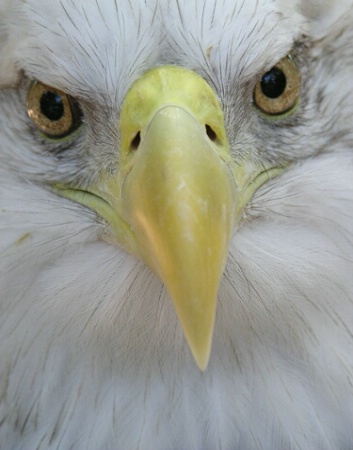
286,103
55,130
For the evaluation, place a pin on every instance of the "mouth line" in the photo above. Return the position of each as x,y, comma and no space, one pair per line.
266,175
252,186
118,227
122,231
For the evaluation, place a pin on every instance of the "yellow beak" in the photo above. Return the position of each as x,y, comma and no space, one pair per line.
178,198
178,194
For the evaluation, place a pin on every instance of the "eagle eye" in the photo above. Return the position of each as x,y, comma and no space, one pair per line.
278,90
55,113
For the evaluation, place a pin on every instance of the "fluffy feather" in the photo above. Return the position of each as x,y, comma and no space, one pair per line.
91,353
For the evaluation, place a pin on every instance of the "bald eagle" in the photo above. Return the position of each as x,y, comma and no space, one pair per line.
176,225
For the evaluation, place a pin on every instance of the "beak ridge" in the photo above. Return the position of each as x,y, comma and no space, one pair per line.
178,198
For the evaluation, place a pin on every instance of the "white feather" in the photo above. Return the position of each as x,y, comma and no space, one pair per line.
91,353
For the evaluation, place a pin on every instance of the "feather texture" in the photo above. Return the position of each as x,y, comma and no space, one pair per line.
91,353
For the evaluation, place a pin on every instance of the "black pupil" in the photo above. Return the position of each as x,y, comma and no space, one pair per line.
51,105
273,83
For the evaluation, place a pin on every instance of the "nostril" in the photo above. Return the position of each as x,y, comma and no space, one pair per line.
211,133
135,142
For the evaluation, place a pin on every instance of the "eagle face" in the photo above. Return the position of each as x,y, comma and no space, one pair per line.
176,225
